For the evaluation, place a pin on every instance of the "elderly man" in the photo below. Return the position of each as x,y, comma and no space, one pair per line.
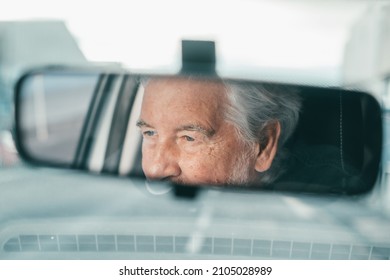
198,131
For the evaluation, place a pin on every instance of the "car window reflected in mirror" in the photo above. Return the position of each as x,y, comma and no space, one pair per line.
201,131
53,109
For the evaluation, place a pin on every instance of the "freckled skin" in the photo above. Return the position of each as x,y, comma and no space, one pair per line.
187,156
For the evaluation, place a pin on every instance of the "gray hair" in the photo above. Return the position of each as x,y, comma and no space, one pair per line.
252,107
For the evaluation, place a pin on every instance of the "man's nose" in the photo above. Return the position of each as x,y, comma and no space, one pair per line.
161,162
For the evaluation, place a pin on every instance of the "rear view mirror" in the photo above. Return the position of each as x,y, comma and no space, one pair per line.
88,120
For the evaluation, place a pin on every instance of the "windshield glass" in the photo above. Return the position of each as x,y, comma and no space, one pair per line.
251,36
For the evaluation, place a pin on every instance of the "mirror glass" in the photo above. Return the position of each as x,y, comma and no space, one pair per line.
202,131
53,109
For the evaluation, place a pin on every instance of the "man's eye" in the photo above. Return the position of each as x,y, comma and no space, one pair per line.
188,138
148,133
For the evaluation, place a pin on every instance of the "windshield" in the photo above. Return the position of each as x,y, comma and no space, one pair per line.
251,36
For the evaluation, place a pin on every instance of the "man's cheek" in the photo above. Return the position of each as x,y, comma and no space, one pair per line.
211,151
196,166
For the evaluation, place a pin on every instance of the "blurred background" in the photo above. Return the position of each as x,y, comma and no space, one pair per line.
336,43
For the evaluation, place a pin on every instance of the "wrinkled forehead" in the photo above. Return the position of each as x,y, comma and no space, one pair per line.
184,100
184,84
186,91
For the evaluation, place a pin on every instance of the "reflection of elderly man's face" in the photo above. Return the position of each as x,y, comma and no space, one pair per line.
187,139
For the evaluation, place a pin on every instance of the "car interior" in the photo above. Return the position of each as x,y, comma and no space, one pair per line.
334,153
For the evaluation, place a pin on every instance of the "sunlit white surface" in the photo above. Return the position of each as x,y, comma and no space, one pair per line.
306,38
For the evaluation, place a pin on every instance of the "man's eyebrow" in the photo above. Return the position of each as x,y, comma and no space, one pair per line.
199,128
142,123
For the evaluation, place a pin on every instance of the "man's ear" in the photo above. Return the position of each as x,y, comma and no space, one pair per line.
267,151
